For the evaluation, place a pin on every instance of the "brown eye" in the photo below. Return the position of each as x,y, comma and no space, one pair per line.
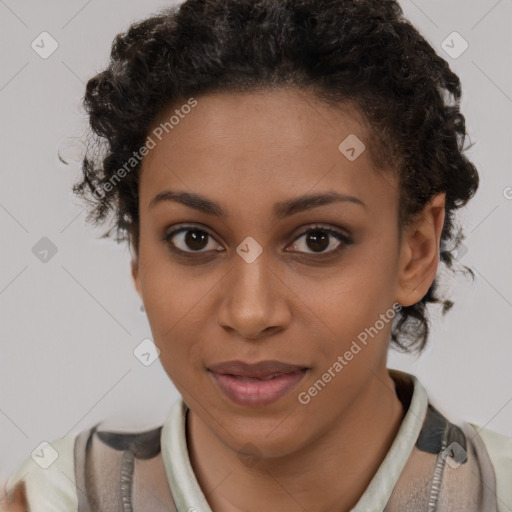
190,239
318,239
196,239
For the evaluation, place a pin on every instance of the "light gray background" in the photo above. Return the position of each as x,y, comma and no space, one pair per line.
69,326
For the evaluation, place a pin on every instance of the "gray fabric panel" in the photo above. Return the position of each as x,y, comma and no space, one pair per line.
151,491
80,449
103,477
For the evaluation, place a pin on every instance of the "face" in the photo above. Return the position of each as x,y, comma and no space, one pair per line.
272,277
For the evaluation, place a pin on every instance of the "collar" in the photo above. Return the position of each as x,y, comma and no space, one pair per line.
188,495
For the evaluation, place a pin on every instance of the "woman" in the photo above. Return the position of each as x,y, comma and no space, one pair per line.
286,174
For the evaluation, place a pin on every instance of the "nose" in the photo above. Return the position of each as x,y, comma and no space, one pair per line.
255,300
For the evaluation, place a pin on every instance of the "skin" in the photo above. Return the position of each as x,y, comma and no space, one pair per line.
16,501
247,152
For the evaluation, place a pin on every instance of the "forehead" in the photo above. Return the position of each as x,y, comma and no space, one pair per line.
262,147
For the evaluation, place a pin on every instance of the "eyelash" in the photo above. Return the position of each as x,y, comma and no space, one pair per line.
344,239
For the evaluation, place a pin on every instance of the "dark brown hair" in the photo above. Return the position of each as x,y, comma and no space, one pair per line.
358,52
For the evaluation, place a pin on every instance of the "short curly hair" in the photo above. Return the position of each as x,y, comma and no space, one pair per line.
358,52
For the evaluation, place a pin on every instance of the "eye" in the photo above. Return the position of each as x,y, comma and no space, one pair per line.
319,238
192,239
189,237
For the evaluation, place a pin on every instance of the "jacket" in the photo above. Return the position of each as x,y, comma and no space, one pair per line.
433,465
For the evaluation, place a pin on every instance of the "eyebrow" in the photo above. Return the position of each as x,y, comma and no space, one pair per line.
281,210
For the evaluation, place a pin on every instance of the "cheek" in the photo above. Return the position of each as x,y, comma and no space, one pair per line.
347,308
174,304
168,291
359,289
171,305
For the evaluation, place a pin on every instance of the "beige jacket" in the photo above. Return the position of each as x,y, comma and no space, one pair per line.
433,465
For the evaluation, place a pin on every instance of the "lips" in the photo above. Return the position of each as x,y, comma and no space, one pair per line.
263,370
256,385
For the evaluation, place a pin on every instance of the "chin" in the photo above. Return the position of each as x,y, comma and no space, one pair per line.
262,437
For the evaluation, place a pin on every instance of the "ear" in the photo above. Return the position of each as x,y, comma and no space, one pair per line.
419,252
135,275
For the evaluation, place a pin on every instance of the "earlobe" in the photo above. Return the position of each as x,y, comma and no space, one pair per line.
419,254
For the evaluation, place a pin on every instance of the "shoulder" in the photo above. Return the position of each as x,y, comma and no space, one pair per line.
499,448
45,478
91,466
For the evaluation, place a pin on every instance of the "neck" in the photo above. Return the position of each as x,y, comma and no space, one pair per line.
330,474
